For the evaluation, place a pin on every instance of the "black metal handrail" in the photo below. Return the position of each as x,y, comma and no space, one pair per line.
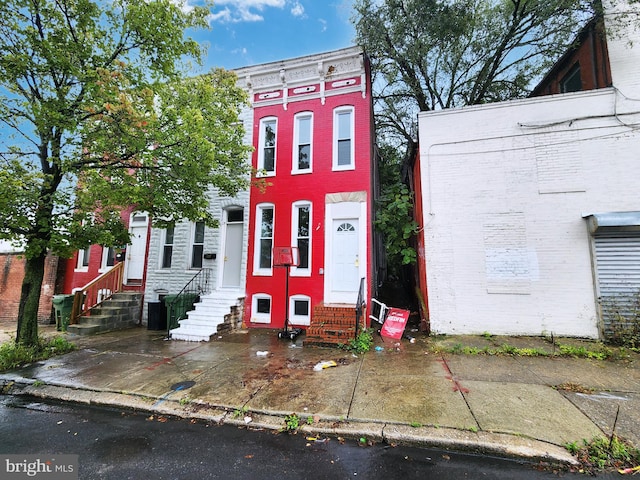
178,305
360,305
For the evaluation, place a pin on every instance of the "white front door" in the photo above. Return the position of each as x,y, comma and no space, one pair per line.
345,261
136,254
232,261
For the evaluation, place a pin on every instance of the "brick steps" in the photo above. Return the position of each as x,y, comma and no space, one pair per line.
331,325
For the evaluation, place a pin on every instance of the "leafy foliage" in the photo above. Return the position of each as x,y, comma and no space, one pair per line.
435,54
361,344
100,118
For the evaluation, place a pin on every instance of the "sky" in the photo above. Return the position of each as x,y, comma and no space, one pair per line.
251,32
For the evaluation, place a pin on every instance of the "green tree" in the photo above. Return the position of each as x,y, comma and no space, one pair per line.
101,117
435,54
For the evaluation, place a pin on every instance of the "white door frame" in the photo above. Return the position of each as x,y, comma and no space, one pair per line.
352,206
144,228
223,246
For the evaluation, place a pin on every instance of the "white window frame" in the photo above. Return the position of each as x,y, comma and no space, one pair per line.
257,269
83,255
163,246
257,317
295,165
105,258
336,137
299,319
261,147
295,222
193,243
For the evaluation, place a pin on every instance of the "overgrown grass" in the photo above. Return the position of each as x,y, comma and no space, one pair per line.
13,355
605,454
599,352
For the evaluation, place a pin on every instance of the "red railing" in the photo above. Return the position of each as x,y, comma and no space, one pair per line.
97,291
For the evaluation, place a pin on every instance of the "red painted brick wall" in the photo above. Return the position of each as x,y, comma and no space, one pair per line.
11,276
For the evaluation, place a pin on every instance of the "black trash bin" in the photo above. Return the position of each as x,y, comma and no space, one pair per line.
157,318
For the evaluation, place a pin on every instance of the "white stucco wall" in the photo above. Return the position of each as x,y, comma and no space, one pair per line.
505,188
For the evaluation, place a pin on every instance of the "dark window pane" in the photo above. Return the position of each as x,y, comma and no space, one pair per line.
303,157
301,307
572,82
263,305
267,223
111,257
303,251
303,222
166,256
168,239
199,233
196,259
269,159
235,215
85,257
265,253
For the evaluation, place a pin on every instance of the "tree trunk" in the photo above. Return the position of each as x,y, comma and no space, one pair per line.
27,332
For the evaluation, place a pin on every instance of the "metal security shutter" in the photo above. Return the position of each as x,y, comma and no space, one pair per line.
618,272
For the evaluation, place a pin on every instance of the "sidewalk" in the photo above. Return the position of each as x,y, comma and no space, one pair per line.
504,405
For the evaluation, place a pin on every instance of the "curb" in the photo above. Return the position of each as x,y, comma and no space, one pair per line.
485,443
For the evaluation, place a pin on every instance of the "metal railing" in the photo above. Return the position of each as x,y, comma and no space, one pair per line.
97,291
178,305
361,304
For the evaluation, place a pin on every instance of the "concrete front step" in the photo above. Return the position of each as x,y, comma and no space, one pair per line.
120,312
209,313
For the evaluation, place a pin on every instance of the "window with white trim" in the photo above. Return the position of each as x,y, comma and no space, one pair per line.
263,248
261,308
343,144
300,310
83,260
267,146
197,245
302,142
108,258
167,247
301,236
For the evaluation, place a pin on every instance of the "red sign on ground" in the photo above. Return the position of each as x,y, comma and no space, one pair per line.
394,324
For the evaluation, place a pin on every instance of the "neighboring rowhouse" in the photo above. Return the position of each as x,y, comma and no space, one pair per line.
12,262
312,133
530,208
86,265
192,263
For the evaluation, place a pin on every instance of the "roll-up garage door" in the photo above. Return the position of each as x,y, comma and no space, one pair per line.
618,276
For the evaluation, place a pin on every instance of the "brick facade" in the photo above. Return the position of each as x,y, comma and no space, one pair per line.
11,277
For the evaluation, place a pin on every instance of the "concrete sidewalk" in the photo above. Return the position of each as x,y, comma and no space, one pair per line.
398,393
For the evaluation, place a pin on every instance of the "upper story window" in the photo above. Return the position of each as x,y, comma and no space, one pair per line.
167,247
571,82
301,236
263,248
343,144
197,245
302,142
267,146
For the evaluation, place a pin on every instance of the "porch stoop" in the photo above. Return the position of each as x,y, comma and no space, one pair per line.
331,325
120,312
217,311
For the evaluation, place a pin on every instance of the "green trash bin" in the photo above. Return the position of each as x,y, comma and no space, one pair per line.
62,306
177,307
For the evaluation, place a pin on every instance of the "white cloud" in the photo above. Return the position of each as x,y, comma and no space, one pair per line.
251,10
297,10
323,25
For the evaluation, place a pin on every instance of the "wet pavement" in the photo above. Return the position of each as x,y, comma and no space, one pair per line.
399,393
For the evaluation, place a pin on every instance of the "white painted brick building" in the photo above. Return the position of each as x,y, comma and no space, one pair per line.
505,188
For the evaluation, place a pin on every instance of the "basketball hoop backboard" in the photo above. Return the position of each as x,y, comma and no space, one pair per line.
286,257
